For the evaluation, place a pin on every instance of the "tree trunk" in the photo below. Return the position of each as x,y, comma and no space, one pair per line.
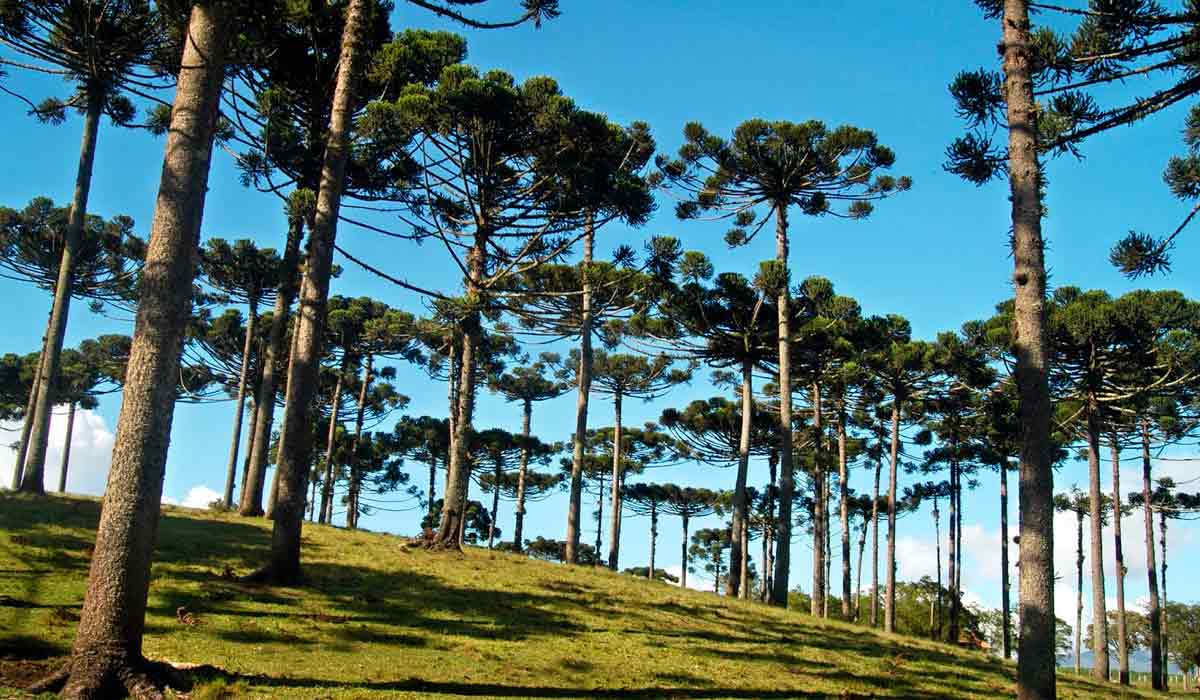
1162,541
1118,553
862,550
787,485
653,538
252,496
1154,612
817,600
355,475
769,531
432,493
249,447
844,510
575,504
744,573
1005,603
683,557
236,442
325,515
526,420
1078,590
737,552
599,519
273,494
614,545
34,468
952,632
106,658
937,540
1100,664
295,451
499,473
1035,654
889,603
875,546
66,453
30,405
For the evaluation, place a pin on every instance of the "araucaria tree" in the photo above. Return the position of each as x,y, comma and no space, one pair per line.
760,174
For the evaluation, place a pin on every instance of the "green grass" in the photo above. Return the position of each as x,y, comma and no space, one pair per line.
381,620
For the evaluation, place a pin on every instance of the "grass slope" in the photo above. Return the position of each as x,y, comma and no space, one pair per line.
378,619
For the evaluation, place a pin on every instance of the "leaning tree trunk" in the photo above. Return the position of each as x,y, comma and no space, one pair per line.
236,441
1078,590
1154,615
844,510
683,557
256,478
889,602
737,552
653,538
66,453
1100,664
1035,654
787,484
614,545
952,572
34,467
295,454
1119,554
817,600
579,441
875,546
335,401
106,658
355,475
27,424
1005,602
519,524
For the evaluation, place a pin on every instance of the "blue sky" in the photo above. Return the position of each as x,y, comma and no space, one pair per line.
936,255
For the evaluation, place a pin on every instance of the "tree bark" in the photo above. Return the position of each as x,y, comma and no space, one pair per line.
27,423
355,475
264,401
953,632
325,515
1079,591
66,453
1162,541
273,494
744,573
737,552
937,539
432,492
1035,653
499,473
787,484
817,600
1119,554
34,466
862,550
889,602
236,441
653,538
683,557
1005,603
1100,663
1154,612
769,531
575,503
599,519
614,545
875,546
295,456
106,657
526,421
844,510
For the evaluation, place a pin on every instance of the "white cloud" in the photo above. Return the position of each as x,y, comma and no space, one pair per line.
915,558
197,497
695,582
91,451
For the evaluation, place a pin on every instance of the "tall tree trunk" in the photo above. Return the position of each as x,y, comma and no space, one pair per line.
1035,654
862,550
355,473
737,552
1005,603
236,441
599,519
844,509
953,632
249,447
1100,664
273,494
618,470
683,557
817,600
30,405
1162,541
1154,614
653,539
106,657
499,474
335,405
526,420
432,492
875,546
252,496
1118,553
1078,591
34,467
787,484
937,540
66,450
889,603
768,586
575,503
295,456
744,573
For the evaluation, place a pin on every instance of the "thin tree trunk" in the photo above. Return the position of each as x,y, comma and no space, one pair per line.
1162,541
599,519
862,550
66,453
1035,654
30,405
744,573
889,603
1100,663
335,404
952,632
653,538
1154,614
875,546
787,485
575,504
34,466
249,448
499,474
295,455
614,545
1078,591
817,600
107,652
1005,602
769,531
844,510
683,557
432,493
252,496
236,441
937,539
355,475
737,552
526,420
1119,554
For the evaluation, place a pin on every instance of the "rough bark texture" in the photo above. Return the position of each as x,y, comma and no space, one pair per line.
295,452
737,551
1119,555
1005,602
1154,609
66,450
335,404
1035,653
575,503
236,441
34,465
614,545
787,484
889,601
1100,662
519,525
106,658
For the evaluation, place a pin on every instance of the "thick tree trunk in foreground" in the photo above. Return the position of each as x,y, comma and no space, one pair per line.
584,373
1035,653
236,441
1100,663
1005,602
66,450
736,581
614,545
325,515
1154,612
106,658
787,483
889,601
1119,554
519,525
295,454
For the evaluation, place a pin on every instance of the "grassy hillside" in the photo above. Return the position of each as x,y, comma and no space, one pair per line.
379,619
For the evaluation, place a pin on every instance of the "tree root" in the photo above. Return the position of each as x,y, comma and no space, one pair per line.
94,676
267,575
